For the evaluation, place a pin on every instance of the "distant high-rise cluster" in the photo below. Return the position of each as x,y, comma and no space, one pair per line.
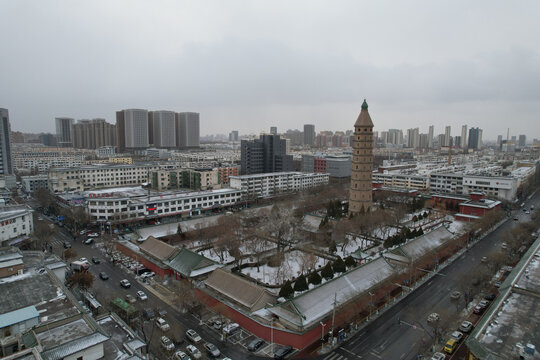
309,134
64,129
475,139
137,129
92,134
233,135
6,164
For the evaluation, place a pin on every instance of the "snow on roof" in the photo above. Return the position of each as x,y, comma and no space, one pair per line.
421,245
312,306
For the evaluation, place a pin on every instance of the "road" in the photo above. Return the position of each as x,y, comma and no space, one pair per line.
384,338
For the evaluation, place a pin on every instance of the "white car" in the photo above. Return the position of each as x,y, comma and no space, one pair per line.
193,336
465,326
141,295
93,234
212,350
166,343
457,335
84,260
148,274
193,351
231,328
433,317
180,355
438,356
162,324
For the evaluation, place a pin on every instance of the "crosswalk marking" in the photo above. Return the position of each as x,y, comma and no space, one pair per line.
335,356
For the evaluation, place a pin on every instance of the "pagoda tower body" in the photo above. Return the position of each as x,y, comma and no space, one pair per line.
360,196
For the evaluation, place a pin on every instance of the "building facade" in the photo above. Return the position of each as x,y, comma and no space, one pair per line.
96,177
6,161
132,129
64,131
163,128
272,184
309,134
134,204
93,134
475,139
41,161
403,181
360,196
264,155
33,183
16,224
187,130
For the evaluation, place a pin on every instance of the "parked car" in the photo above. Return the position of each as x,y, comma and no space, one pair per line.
148,274
103,276
193,336
130,298
484,259
433,317
67,244
95,260
450,346
212,350
162,324
180,355
166,343
455,295
93,234
141,295
82,232
282,352
504,246
125,283
148,314
231,328
497,284
83,259
490,297
484,303
466,326
88,241
193,351
457,335
438,356
255,344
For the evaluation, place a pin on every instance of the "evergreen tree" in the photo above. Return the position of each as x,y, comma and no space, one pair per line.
415,218
314,278
301,284
349,261
327,272
339,265
332,248
286,290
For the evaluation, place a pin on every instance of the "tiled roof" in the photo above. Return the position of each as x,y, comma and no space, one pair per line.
74,346
157,248
187,263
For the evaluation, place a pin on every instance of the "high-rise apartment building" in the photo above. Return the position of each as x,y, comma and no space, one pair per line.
162,128
447,136
64,130
6,163
464,141
233,135
309,134
499,141
522,140
92,134
264,155
187,130
132,129
475,138
360,196
413,138
430,137
47,139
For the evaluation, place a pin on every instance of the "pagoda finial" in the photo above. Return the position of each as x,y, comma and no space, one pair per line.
364,105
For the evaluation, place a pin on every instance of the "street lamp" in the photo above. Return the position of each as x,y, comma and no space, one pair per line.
322,334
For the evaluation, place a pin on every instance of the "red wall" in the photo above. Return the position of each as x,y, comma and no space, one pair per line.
319,165
477,211
161,272
298,341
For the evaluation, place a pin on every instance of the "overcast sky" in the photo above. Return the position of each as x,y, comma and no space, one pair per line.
249,65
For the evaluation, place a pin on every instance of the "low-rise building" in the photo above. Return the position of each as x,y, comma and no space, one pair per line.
98,176
272,184
121,160
130,204
33,183
195,179
404,181
16,224
335,165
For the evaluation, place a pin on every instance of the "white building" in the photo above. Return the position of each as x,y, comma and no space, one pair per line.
105,151
398,180
98,176
123,205
16,224
187,130
499,187
43,161
271,184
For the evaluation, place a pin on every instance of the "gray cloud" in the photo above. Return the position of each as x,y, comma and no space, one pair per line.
248,65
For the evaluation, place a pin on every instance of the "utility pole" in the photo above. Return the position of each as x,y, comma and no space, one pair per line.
334,314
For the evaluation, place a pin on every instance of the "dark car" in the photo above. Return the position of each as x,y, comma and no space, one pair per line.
282,352
103,276
490,297
149,314
255,344
96,260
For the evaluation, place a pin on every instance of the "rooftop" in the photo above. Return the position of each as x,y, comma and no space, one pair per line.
120,336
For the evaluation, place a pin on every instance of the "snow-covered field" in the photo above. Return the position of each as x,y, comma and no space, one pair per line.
291,266
223,257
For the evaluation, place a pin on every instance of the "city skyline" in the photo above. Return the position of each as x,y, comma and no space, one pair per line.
245,74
